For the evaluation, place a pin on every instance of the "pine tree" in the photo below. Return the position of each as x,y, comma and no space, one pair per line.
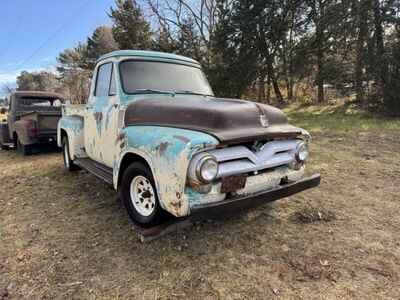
130,28
101,42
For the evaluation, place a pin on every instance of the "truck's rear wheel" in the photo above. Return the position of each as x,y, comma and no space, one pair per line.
68,162
24,149
139,195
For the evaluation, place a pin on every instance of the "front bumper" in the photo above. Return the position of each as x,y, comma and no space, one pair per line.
235,204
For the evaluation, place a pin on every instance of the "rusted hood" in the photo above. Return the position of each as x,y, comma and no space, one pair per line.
229,120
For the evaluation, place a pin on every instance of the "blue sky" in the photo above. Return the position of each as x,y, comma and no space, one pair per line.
34,32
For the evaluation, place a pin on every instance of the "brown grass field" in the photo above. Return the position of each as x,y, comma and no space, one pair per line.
65,235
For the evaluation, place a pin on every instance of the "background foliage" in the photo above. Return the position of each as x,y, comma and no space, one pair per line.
273,50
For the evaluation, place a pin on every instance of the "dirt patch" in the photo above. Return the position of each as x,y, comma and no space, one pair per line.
309,215
65,235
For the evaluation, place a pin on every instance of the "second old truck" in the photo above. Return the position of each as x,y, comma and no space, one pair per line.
153,129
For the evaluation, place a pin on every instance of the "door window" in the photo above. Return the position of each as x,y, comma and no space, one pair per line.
103,80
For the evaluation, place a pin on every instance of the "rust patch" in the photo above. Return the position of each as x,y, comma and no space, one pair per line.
176,204
162,147
120,136
182,138
98,116
232,183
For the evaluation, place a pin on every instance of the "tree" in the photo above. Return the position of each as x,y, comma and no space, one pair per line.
101,42
130,28
75,76
37,81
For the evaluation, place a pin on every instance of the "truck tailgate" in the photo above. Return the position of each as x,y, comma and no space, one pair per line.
46,121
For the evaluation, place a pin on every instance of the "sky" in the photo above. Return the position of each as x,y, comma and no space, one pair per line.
34,32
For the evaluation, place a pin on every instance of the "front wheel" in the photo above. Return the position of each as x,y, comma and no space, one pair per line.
139,195
68,162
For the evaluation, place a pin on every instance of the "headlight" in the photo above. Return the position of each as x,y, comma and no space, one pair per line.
207,169
302,152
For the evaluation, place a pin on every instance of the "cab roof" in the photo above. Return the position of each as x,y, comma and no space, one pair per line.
148,54
39,94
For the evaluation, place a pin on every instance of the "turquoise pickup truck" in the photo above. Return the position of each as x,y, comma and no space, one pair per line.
153,129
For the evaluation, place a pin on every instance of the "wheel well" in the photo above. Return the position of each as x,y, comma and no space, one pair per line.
127,160
63,133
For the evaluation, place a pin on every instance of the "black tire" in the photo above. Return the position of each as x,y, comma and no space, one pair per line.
68,162
137,170
23,149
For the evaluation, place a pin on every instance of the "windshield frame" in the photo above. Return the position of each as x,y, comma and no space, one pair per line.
173,62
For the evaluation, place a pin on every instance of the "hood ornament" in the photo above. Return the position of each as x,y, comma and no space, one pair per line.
264,121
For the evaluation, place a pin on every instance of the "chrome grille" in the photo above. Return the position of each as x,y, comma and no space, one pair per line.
240,159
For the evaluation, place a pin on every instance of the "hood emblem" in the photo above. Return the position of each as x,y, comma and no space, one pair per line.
264,121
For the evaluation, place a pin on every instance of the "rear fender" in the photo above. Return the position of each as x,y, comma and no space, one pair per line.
73,127
21,128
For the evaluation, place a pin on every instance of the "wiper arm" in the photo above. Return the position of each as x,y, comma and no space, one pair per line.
153,91
190,92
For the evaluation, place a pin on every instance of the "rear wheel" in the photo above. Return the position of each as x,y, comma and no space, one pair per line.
139,195
24,149
68,162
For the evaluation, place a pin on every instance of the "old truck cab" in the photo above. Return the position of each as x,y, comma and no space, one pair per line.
153,129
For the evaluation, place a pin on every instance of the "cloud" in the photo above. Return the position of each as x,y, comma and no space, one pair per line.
8,77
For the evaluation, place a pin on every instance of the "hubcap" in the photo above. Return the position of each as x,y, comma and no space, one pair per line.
142,196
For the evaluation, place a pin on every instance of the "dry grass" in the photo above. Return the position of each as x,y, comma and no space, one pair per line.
66,236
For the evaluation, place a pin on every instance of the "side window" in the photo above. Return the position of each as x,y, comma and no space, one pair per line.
103,80
113,87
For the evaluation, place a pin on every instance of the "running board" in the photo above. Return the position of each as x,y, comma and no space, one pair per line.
97,169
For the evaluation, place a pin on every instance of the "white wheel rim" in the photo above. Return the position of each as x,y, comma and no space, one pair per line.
142,196
66,155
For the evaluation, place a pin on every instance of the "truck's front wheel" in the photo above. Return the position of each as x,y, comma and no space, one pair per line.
139,195
68,162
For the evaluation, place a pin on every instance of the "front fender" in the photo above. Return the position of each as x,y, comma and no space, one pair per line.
168,152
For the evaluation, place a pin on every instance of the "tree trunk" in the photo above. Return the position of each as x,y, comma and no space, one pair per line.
320,79
268,96
362,33
275,85
381,61
319,38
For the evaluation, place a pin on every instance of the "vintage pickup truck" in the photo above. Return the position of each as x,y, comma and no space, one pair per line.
153,129
32,119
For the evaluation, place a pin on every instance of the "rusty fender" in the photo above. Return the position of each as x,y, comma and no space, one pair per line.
168,152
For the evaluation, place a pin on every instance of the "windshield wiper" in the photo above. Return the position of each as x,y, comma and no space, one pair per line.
190,92
153,91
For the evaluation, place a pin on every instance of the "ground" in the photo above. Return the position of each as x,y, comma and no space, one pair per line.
65,235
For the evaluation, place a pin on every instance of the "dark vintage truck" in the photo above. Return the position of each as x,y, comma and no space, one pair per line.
32,119
153,129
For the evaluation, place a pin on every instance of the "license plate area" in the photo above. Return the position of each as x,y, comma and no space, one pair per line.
233,183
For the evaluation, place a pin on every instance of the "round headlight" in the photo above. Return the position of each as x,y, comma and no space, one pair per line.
302,152
207,169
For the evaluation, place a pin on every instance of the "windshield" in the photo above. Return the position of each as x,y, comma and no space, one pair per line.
160,77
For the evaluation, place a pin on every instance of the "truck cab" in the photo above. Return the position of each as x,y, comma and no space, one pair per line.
153,129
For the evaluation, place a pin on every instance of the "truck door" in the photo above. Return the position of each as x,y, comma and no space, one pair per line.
101,118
